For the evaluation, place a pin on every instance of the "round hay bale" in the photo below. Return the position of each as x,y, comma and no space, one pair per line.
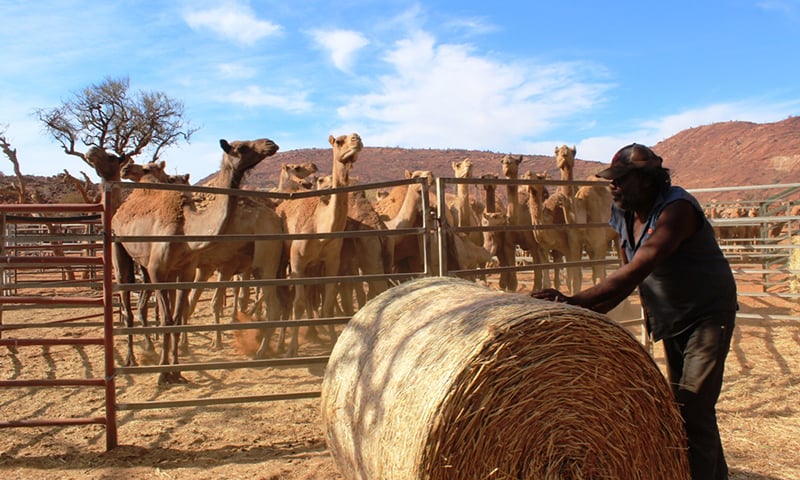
440,378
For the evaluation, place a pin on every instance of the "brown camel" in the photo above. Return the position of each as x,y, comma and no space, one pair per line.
312,215
545,211
402,209
167,213
109,168
517,214
367,255
261,259
152,172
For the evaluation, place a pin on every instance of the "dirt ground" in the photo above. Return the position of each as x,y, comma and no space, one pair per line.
758,411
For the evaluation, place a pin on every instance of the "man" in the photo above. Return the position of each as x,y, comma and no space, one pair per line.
686,287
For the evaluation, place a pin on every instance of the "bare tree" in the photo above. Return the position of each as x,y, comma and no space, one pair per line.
11,153
109,117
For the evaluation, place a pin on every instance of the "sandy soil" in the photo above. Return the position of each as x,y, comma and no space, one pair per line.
758,411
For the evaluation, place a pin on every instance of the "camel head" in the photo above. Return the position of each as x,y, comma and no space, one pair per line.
510,165
463,169
178,179
492,219
565,156
346,147
153,172
538,190
244,155
300,170
107,166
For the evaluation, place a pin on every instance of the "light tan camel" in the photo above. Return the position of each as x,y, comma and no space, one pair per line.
492,239
593,205
460,206
545,211
517,215
312,215
167,213
565,161
587,204
152,172
293,177
367,255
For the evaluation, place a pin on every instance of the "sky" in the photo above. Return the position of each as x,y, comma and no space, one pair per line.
516,77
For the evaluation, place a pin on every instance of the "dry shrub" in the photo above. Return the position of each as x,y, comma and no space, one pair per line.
441,378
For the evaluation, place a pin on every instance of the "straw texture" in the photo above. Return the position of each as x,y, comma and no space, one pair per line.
440,378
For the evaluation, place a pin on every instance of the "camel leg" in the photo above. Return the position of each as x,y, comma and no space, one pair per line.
299,309
217,302
269,296
124,266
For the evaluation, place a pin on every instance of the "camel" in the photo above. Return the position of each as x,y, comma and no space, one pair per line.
545,211
491,203
167,213
367,255
312,215
109,167
517,214
402,209
293,177
492,239
459,205
260,259
565,161
587,204
152,172
593,205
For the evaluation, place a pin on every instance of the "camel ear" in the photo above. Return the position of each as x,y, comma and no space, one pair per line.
408,174
226,147
555,151
574,150
163,164
331,139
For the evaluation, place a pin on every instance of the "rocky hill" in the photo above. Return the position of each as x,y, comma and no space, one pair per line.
721,154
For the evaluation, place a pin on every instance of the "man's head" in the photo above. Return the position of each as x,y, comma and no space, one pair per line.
629,158
637,177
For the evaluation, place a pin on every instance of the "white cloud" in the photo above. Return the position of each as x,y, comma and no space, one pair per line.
342,45
446,95
254,96
232,21
236,71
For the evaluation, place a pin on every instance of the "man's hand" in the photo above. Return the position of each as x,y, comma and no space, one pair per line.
550,294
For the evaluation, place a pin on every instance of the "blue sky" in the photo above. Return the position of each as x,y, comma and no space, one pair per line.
518,77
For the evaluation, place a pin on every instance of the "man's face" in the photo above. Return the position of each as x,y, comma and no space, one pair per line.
630,191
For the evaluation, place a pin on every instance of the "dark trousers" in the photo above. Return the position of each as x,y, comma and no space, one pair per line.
696,363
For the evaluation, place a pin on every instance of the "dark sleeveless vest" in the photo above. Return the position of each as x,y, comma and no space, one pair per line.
695,281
